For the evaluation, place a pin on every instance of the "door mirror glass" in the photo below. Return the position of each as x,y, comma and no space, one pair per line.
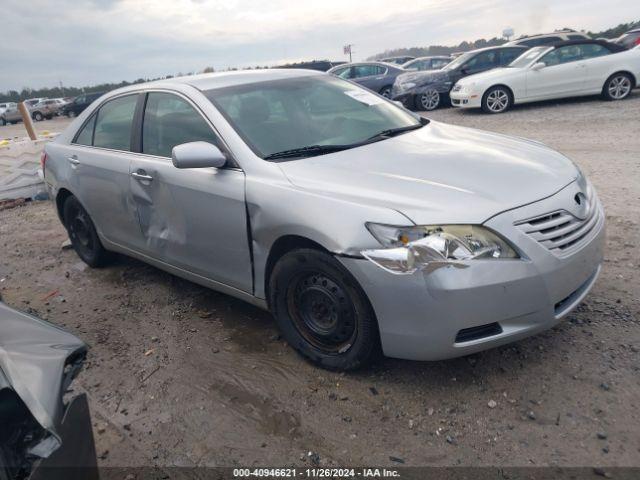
197,155
538,66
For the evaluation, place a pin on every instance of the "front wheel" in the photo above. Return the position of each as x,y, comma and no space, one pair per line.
38,117
82,234
617,87
71,114
496,100
429,100
322,311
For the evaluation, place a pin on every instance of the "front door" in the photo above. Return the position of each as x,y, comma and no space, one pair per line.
564,74
193,219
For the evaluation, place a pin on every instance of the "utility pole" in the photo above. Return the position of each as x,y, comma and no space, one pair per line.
61,88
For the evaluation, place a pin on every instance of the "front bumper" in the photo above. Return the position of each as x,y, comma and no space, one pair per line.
465,100
453,312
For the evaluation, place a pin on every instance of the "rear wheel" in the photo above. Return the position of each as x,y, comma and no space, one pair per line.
497,100
82,234
71,114
38,117
429,100
618,86
322,311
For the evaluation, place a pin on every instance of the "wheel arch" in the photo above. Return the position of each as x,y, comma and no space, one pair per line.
61,197
503,85
634,80
281,247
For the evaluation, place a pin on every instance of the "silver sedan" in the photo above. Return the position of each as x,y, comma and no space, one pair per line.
362,227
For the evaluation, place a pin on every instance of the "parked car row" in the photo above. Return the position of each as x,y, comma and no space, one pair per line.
561,64
46,108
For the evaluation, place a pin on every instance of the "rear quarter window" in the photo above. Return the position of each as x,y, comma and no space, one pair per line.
114,122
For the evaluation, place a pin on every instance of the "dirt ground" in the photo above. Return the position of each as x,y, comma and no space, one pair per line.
56,124
180,375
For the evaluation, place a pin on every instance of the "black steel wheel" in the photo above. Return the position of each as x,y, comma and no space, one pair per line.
322,311
82,233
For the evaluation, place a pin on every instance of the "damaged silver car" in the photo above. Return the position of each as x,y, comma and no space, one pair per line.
361,226
43,433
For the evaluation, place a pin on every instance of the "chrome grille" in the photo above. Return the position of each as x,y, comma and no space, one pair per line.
560,231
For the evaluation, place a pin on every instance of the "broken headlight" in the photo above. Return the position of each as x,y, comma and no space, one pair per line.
409,249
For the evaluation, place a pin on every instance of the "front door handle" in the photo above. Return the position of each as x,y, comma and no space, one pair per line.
73,160
141,176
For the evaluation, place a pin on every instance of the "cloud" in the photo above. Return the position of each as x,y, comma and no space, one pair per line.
96,41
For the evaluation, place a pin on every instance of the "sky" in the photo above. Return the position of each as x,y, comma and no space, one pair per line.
85,42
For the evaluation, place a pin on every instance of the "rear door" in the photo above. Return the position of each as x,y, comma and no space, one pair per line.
193,219
99,159
564,74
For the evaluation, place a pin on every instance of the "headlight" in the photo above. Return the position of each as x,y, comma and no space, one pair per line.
409,249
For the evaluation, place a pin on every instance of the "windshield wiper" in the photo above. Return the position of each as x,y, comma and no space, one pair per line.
392,132
308,151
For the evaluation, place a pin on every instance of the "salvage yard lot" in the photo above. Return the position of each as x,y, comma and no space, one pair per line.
180,375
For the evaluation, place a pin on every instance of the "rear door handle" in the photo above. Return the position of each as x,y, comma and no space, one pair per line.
141,176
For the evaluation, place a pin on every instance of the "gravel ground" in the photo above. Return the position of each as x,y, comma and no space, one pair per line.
179,375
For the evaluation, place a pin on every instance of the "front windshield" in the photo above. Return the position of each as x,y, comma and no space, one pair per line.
527,57
458,61
320,111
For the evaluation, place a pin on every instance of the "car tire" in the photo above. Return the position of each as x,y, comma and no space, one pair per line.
386,91
82,233
71,114
38,117
497,99
3,121
322,311
617,87
428,101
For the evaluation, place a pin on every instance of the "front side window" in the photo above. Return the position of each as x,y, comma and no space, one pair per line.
566,54
113,125
508,55
483,61
169,121
293,113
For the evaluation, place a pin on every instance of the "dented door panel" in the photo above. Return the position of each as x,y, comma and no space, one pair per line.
193,219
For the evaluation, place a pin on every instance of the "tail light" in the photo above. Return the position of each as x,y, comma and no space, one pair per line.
637,42
43,160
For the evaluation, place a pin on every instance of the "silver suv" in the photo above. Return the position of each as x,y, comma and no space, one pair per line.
361,226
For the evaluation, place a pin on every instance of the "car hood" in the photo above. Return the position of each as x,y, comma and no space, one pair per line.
33,357
438,174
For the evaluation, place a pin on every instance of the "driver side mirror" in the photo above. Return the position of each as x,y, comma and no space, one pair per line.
197,155
538,66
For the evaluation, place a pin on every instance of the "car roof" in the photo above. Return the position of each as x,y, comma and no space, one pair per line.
208,81
445,57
